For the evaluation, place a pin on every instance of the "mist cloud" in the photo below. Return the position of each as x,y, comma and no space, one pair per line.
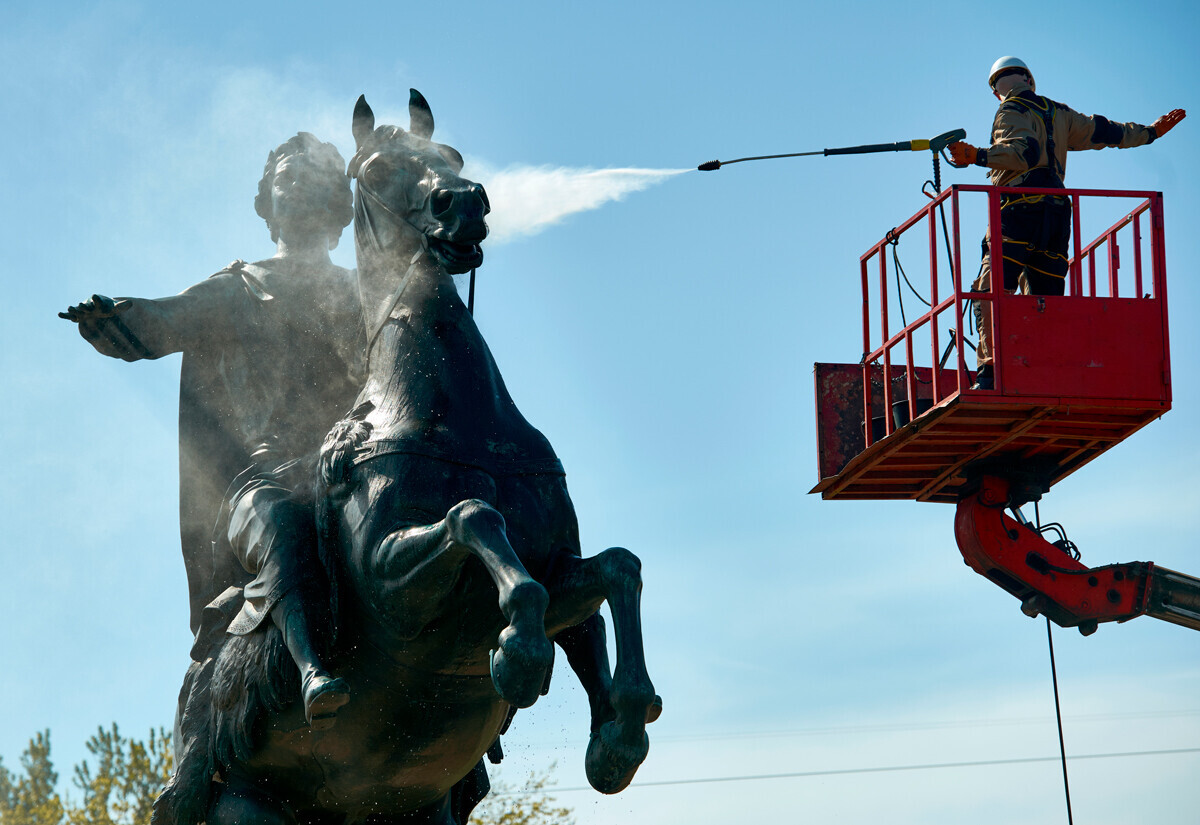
527,199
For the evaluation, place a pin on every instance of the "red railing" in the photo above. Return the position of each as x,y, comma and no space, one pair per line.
948,312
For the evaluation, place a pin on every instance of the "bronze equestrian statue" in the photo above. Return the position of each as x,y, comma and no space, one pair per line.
449,548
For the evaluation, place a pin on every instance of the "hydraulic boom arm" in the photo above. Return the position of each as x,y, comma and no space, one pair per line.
1049,580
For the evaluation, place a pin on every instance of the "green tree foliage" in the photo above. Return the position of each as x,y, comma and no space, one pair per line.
31,799
529,805
128,776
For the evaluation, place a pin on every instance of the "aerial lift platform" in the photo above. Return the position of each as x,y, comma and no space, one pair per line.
1074,376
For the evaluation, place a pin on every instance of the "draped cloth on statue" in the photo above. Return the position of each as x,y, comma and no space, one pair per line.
275,362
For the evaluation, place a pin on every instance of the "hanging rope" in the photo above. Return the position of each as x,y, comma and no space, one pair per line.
936,183
894,240
937,190
1062,747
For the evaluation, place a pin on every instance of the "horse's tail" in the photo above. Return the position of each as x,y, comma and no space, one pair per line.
253,675
248,675
184,800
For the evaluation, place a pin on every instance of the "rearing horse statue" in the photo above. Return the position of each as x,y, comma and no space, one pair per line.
452,545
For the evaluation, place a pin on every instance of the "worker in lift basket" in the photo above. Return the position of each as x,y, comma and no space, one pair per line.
1031,136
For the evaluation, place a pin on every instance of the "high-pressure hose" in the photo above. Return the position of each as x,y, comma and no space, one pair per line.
936,144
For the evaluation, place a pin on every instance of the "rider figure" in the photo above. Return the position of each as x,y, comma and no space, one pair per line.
273,357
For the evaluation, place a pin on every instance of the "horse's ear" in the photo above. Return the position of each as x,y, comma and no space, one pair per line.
419,115
364,121
451,155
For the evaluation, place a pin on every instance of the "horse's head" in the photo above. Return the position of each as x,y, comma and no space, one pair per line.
416,182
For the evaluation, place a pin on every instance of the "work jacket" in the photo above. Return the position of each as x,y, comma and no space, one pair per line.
1020,144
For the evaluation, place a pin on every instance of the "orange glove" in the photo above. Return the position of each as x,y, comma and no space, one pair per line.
1167,122
963,154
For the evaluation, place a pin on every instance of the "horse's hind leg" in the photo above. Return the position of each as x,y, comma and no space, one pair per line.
586,646
620,707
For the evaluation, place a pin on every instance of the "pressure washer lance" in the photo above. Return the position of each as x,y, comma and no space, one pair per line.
936,144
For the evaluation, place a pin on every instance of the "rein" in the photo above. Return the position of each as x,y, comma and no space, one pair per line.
366,190
365,228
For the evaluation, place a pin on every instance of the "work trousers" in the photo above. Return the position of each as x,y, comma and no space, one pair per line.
1036,236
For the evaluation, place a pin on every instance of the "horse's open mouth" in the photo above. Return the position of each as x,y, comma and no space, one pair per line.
456,257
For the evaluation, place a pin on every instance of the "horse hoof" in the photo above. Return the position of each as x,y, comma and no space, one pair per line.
519,668
522,661
610,762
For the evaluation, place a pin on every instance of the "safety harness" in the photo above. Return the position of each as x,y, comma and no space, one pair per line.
1049,176
1051,210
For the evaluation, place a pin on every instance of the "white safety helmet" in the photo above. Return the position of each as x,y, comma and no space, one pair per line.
1005,63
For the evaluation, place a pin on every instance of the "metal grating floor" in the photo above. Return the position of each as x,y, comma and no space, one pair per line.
926,459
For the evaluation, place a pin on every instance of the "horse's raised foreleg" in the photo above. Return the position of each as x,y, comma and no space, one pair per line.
622,706
415,562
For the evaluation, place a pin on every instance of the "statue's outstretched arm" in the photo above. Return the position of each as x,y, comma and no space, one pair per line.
101,325
133,329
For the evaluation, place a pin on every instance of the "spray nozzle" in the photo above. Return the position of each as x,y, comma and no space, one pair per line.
709,166
943,140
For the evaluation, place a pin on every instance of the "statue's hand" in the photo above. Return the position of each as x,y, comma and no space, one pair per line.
95,309
100,325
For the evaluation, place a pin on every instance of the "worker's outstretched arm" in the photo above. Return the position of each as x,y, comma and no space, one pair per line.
1098,132
1013,150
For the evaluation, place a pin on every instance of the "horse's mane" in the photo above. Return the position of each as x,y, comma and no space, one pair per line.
377,138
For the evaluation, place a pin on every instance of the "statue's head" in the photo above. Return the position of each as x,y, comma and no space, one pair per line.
305,189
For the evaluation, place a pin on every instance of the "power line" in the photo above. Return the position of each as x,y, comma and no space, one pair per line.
844,730
882,769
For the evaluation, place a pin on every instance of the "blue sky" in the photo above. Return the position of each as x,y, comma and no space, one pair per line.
663,342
